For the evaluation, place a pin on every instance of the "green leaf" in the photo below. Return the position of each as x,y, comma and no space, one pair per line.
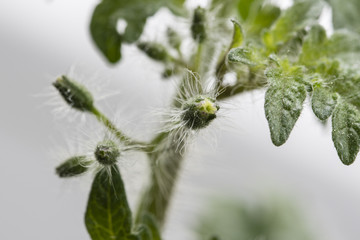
313,46
346,131
238,35
134,12
283,104
265,17
247,7
295,18
344,44
323,102
346,14
108,215
243,55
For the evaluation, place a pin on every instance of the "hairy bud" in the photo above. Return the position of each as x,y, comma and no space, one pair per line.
198,30
153,50
74,166
199,112
107,152
75,94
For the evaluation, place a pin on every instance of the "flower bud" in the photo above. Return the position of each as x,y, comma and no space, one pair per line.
75,94
74,166
153,50
198,30
199,112
107,152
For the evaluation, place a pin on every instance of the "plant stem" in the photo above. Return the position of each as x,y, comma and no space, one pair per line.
121,136
165,163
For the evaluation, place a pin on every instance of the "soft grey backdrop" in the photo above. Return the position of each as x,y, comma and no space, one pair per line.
43,39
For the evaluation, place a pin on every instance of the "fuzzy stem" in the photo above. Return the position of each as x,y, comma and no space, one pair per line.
109,125
165,165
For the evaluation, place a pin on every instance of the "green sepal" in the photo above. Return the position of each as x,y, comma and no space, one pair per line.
346,131
108,215
283,104
74,166
323,102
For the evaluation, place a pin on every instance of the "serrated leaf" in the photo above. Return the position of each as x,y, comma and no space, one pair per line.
346,131
295,18
238,35
283,104
323,102
108,215
346,14
135,13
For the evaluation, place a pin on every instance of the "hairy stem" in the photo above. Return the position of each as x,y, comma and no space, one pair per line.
121,136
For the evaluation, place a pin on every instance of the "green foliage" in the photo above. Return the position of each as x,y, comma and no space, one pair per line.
238,36
283,102
323,102
346,131
286,52
108,215
346,14
297,17
135,13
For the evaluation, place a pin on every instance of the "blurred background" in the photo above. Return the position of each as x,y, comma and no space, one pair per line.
233,159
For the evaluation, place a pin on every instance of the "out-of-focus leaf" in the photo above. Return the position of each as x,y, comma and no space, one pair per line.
313,46
264,18
346,14
246,8
295,18
346,131
135,13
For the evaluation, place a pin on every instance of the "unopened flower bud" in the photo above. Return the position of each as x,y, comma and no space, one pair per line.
75,94
198,30
107,152
153,50
74,166
199,112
